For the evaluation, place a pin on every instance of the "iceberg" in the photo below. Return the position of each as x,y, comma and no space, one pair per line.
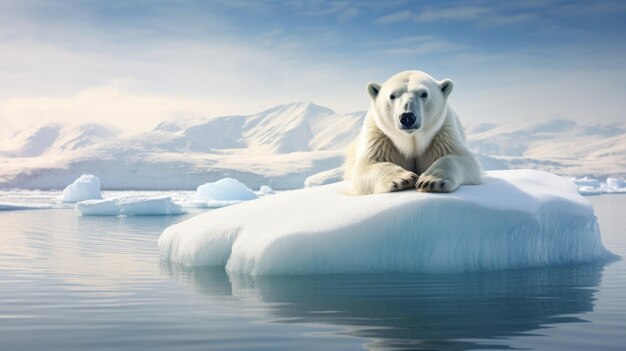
86,187
130,206
225,189
515,219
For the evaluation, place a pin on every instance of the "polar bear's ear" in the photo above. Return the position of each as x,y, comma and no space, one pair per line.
373,89
446,87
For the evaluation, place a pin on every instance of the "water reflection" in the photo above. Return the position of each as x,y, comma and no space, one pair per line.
409,311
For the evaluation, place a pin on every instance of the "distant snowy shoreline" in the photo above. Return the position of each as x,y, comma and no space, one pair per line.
20,199
280,147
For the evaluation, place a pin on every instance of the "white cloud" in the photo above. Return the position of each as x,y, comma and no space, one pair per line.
453,13
137,84
499,14
421,45
511,94
137,74
349,14
395,17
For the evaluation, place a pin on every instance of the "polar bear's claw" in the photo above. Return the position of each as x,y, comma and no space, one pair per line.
405,180
435,185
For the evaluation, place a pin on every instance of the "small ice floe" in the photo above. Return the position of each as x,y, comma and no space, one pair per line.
130,206
593,186
224,192
86,187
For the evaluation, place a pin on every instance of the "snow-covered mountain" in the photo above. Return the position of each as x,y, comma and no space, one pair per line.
279,147
54,138
560,146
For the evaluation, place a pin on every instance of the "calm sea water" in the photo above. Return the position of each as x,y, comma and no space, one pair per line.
96,283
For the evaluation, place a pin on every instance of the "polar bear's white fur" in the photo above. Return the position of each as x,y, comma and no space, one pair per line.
410,138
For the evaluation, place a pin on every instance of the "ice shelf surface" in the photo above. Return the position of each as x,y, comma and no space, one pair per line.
515,219
130,206
86,187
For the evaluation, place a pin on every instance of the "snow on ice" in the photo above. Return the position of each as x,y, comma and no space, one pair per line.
130,206
515,219
86,187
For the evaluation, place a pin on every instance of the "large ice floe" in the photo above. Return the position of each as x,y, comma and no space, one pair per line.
86,187
515,219
130,206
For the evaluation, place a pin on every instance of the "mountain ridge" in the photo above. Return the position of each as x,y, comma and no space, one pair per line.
279,146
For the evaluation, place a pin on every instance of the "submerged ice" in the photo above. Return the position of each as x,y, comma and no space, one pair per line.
515,219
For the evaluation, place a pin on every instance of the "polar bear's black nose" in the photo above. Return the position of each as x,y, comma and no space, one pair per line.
407,119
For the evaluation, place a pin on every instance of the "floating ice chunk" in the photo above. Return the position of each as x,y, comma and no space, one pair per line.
266,190
130,206
225,189
586,181
10,206
592,186
86,187
515,219
615,183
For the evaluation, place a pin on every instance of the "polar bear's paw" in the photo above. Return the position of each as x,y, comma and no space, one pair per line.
434,184
400,180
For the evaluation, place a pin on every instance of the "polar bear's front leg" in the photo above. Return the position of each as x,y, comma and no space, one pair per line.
447,173
380,177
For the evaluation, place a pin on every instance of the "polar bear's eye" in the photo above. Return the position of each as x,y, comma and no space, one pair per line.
392,96
423,95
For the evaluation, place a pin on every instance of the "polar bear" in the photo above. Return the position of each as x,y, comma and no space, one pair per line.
410,138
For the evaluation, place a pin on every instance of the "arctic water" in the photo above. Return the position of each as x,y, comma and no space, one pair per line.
71,282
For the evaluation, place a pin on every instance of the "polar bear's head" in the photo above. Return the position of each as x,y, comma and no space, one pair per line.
410,103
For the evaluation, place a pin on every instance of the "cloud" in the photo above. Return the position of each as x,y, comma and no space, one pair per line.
395,17
138,62
349,14
421,45
172,78
493,15
115,103
343,10
512,95
497,14
464,13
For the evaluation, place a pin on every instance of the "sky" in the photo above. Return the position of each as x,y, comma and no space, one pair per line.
133,64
